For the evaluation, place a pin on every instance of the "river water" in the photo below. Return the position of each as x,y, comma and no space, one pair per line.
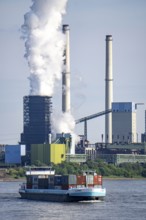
125,200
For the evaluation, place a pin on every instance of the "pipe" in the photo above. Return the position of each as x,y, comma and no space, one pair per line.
108,89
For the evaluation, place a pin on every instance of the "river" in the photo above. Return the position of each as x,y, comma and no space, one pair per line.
125,200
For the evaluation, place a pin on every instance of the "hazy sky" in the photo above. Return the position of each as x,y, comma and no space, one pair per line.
90,21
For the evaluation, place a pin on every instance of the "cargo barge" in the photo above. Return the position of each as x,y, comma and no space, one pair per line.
42,184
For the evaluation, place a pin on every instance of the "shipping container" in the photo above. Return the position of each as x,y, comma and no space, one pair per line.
51,179
97,180
81,180
69,179
57,180
43,183
89,179
29,186
35,179
35,186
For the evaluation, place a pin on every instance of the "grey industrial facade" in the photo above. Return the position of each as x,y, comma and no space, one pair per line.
124,122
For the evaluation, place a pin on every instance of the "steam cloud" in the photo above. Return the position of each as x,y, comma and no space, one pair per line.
65,123
44,43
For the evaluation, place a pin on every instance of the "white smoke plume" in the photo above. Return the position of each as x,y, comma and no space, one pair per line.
44,43
65,123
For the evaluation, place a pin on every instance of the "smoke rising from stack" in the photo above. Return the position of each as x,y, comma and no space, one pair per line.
65,123
44,44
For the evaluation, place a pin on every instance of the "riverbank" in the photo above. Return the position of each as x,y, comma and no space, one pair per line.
23,179
10,179
123,178
107,171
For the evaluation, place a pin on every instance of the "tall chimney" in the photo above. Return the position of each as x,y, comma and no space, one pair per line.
145,121
108,89
66,72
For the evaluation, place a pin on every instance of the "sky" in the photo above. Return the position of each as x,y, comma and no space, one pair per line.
90,21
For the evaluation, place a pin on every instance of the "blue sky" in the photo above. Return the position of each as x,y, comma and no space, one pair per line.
90,21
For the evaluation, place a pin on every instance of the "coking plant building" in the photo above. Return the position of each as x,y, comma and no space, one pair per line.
124,122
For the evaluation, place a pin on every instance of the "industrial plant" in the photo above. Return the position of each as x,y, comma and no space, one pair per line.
119,143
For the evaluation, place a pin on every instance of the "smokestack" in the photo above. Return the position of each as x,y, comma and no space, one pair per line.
66,73
108,89
145,121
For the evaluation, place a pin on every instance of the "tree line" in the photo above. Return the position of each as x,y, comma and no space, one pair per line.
126,170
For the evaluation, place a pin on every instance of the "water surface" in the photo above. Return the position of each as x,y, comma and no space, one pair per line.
125,200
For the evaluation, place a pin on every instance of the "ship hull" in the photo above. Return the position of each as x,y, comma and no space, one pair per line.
73,195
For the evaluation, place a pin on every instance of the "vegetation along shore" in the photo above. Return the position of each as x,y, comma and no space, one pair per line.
125,170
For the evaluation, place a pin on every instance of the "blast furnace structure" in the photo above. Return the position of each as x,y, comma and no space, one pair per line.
37,119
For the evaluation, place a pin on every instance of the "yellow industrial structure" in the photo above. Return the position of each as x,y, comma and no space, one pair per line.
57,153
48,153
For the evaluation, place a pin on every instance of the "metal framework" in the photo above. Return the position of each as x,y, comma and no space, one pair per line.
85,119
37,119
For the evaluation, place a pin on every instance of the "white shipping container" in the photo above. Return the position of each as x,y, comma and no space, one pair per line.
89,179
72,179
